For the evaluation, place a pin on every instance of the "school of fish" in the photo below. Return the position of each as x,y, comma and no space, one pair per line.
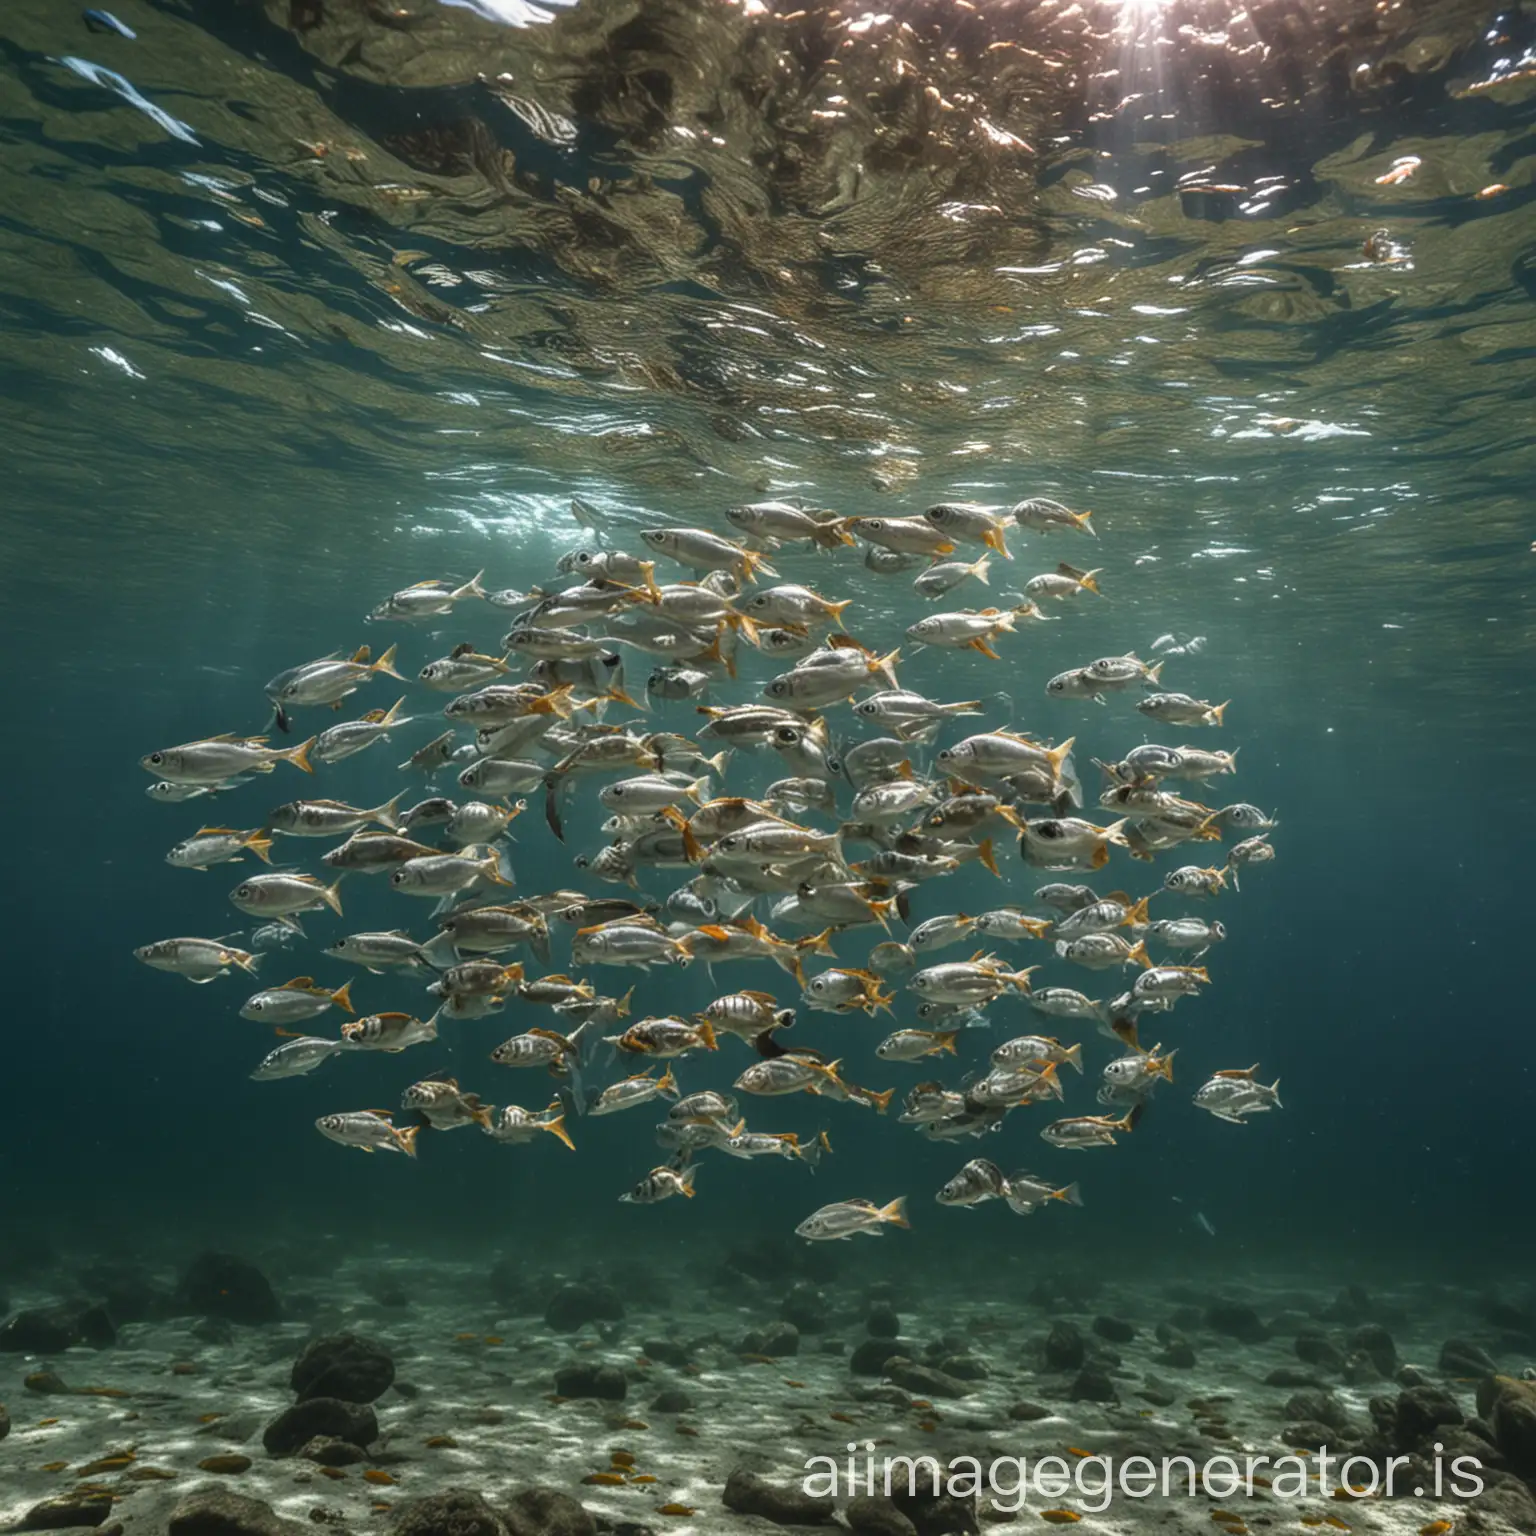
851,799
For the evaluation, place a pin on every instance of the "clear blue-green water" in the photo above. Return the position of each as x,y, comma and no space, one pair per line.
394,292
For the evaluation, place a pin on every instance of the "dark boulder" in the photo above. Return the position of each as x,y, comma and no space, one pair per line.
1316,1407
1315,1348
343,1366
1236,1320
218,1512
1373,1340
777,1340
220,1285
935,1514
295,1427
454,1512
1308,1435
52,1330
1026,1412
965,1367
582,1302
881,1322
66,1511
877,1516
1064,1348
748,1494
1511,1411
1420,1411
671,1400
869,1355
5,1422
548,1512
806,1307
1178,1357
1115,1329
508,1283
580,1379
925,1380
667,1351
1461,1357
328,1451
1092,1385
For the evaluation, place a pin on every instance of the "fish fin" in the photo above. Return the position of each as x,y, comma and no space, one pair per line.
261,847
978,644
386,665
1219,711
407,1137
556,1128
896,1212
342,997
993,539
385,814
1081,520
1071,1194
685,1179
299,755
331,894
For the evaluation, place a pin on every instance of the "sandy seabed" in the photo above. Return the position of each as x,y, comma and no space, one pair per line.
474,1405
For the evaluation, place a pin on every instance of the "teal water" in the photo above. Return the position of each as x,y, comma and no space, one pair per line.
369,311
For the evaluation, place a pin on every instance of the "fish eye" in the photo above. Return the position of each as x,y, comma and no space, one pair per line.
243,890
778,687
874,524
1055,685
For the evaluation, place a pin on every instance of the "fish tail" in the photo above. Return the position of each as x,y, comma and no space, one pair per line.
1071,1195
978,644
1081,519
471,588
556,1128
896,1212
986,856
260,846
754,561
993,539
385,814
331,894
391,716
406,1139
342,997
685,1179
386,665
1074,1056
979,569
299,755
